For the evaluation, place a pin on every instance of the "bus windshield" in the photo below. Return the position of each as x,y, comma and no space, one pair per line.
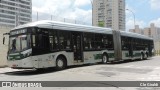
19,43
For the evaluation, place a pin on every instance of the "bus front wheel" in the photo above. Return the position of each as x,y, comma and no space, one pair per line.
104,59
60,63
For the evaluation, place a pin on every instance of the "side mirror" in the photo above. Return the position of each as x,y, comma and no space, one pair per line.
4,40
4,37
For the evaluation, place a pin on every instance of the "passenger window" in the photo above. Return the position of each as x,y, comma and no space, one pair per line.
89,41
53,40
98,41
65,40
108,42
125,43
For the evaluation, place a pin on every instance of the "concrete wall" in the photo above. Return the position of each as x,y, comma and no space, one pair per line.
157,47
3,48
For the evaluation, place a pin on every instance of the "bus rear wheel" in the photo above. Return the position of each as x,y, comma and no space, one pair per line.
60,63
142,56
104,59
146,56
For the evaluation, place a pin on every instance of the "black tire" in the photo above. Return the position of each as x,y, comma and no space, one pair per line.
104,59
60,63
40,70
146,56
142,56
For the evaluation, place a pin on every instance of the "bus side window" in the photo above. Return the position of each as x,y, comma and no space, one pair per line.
105,42
53,40
68,44
61,41
55,43
85,43
89,41
124,43
65,40
98,41
109,42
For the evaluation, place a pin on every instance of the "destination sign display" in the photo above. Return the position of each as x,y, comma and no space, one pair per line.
21,31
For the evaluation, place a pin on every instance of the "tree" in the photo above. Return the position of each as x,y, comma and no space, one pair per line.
101,23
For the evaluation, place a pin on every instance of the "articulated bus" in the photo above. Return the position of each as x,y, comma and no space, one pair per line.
45,44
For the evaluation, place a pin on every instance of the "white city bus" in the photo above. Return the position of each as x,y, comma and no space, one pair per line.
45,44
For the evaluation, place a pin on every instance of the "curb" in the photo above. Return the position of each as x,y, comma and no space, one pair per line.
3,66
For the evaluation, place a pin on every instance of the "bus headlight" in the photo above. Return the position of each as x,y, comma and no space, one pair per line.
27,54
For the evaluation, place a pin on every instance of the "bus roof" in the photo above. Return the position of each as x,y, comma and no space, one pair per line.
77,27
135,35
65,26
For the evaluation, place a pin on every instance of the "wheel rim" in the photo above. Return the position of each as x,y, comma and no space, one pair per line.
60,63
104,59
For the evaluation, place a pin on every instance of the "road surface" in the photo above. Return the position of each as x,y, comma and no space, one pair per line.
146,70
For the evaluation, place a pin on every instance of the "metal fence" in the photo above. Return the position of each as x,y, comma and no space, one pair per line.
44,16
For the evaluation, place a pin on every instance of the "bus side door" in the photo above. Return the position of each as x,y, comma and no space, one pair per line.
77,46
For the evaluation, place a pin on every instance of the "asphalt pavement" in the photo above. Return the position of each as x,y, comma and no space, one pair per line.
145,70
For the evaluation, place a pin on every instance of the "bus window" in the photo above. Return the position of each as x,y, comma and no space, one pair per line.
24,43
139,44
107,42
65,40
98,41
15,45
61,42
40,42
19,43
53,41
43,41
125,43
89,41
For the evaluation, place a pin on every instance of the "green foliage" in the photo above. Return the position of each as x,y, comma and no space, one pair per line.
101,23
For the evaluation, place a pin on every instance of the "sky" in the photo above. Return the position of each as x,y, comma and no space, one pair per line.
145,11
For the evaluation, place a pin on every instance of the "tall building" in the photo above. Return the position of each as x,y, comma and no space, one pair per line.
137,30
15,12
109,13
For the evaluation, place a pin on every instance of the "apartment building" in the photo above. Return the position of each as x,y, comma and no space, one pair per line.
136,30
148,31
15,12
109,13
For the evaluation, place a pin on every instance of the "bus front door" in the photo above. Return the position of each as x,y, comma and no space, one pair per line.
77,46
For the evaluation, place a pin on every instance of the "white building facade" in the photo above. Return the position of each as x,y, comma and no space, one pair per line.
15,12
109,13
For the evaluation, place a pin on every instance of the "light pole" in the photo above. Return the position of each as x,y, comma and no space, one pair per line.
17,15
133,16
92,11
